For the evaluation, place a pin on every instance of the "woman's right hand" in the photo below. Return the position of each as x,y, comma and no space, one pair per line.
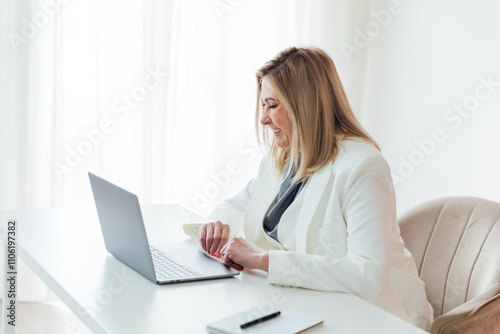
213,236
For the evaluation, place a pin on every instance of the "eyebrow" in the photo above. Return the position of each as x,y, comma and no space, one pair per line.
269,98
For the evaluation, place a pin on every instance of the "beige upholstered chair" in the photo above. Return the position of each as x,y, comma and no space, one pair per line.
456,244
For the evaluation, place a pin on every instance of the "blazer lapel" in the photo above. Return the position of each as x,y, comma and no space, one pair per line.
257,208
314,192
264,196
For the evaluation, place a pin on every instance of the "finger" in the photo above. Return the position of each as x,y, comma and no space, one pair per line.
231,263
220,231
225,248
223,252
202,234
216,238
209,236
226,255
223,239
225,260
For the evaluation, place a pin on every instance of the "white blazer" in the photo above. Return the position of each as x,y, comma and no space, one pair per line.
340,233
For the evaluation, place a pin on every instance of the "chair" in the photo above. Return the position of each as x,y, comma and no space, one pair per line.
456,245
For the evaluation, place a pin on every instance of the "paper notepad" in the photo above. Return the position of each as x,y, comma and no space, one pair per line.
288,322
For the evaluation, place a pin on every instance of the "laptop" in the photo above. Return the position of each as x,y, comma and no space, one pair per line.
125,238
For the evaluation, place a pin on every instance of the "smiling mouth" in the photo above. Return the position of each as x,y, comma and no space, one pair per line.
276,131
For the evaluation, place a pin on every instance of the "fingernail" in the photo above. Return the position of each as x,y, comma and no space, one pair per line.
211,253
204,249
218,255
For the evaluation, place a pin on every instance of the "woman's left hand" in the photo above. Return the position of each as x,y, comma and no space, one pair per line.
239,251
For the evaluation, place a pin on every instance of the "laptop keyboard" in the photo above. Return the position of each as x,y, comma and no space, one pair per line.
166,268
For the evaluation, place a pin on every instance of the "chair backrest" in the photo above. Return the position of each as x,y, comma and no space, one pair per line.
456,245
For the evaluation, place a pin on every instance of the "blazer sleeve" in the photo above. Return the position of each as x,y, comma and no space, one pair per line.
368,206
232,210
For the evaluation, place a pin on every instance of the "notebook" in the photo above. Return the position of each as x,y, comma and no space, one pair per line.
288,322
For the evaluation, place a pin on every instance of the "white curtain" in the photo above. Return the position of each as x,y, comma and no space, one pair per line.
159,96
156,96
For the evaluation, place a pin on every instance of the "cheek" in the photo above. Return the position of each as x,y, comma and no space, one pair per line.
282,120
286,124
289,127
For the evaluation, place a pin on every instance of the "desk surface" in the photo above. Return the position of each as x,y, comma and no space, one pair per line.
64,247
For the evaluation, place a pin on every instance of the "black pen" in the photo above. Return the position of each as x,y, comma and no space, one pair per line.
258,321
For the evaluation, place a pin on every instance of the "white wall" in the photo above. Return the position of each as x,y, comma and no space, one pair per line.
433,56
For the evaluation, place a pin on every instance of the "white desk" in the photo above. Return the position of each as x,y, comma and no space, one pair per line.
65,248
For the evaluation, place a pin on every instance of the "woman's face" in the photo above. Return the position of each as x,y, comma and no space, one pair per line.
275,116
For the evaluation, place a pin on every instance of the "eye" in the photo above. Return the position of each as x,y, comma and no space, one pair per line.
263,105
274,106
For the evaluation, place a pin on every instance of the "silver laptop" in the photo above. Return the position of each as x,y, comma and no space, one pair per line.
125,238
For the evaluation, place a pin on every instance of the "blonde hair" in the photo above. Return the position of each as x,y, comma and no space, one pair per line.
307,84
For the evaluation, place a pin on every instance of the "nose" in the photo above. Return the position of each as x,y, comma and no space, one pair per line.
264,120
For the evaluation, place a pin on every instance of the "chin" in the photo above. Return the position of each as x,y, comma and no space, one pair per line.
282,145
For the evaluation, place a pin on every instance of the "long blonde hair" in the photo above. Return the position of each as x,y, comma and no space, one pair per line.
306,82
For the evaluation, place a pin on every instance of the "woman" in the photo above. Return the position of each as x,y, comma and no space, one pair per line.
321,212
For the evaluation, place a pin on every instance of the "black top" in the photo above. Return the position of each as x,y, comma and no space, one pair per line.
286,195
